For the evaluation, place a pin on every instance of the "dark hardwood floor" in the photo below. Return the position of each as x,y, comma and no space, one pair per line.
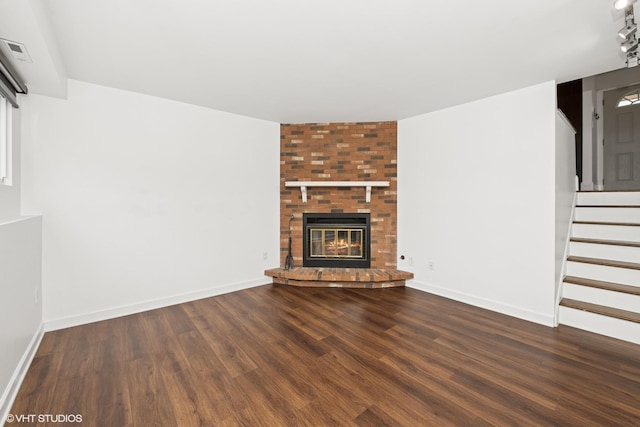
286,356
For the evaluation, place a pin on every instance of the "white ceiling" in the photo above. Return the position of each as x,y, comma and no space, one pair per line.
293,61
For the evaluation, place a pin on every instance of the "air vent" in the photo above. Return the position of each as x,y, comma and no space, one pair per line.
16,50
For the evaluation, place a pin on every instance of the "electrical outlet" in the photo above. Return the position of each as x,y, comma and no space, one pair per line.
36,295
265,256
410,261
431,265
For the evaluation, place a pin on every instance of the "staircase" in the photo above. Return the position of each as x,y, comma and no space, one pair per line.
601,290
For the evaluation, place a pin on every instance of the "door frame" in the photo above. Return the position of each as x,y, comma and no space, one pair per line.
599,185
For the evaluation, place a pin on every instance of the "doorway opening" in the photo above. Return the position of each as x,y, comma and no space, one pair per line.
621,138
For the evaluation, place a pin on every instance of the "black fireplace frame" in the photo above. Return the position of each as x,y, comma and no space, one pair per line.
336,219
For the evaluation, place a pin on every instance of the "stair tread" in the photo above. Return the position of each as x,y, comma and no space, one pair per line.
605,262
601,284
626,224
606,242
601,309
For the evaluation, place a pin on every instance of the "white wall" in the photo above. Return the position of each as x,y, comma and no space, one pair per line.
20,303
476,198
146,201
20,281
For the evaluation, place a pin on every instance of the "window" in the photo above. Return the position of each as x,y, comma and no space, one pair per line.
5,141
630,98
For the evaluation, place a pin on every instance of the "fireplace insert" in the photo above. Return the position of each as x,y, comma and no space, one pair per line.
336,240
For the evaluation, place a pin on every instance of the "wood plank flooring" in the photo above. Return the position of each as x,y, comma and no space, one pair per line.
286,356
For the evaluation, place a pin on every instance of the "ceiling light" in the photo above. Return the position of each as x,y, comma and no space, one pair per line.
622,4
629,45
627,31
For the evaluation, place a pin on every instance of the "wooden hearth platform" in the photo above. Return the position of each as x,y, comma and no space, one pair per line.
339,277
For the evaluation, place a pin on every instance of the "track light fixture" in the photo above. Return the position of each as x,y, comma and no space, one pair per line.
628,30
628,33
629,45
623,4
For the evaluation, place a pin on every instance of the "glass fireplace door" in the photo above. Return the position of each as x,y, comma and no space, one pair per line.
337,239
336,243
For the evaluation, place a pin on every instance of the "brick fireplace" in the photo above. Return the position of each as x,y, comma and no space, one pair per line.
361,152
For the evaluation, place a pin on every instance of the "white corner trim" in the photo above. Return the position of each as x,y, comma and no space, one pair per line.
139,307
7,221
560,114
509,310
563,270
11,391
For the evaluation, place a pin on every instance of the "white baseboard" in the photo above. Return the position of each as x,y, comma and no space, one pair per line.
11,391
518,312
139,307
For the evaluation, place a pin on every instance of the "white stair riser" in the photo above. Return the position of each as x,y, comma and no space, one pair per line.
607,232
625,276
604,297
605,325
608,214
614,198
609,326
612,252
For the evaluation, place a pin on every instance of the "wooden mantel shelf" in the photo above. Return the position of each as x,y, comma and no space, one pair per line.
305,184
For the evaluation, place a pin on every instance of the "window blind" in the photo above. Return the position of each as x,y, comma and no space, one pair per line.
10,82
